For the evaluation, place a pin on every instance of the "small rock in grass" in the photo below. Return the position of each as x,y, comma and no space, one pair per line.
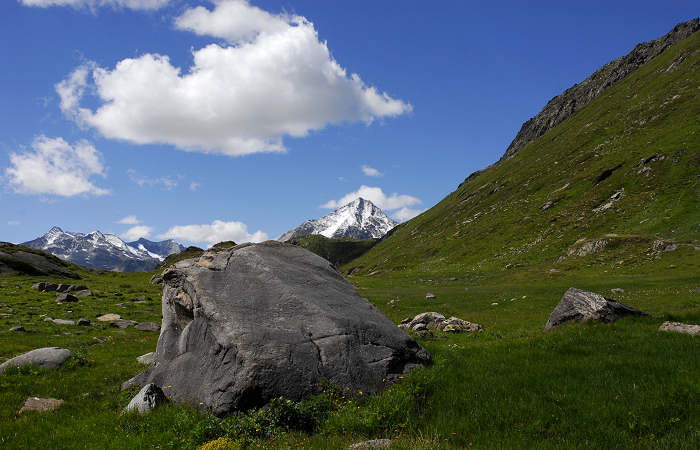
109,317
83,293
122,323
46,358
430,296
83,321
494,304
18,329
64,298
695,290
146,400
617,291
63,322
678,327
40,404
147,326
374,443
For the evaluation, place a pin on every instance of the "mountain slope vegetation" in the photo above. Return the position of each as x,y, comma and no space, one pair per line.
625,168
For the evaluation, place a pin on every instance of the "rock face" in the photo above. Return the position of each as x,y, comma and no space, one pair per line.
678,327
578,96
46,358
146,400
20,259
259,321
581,306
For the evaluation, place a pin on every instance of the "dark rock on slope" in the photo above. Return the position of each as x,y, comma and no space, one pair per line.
26,261
259,321
576,97
582,306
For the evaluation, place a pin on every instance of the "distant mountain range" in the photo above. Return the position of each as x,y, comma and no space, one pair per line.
360,219
104,251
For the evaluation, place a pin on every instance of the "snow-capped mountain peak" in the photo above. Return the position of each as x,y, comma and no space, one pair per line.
359,219
104,251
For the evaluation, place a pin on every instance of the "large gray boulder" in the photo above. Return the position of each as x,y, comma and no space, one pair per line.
148,398
581,306
46,358
258,321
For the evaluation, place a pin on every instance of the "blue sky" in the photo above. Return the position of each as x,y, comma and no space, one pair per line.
205,121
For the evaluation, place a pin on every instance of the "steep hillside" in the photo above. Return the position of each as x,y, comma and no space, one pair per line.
338,251
21,260
617,183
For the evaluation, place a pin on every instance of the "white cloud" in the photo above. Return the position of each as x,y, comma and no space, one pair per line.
376,196
94,4
215,232
371,171
55,167
168,183
194,186
14,223
137,232
274,78
405,214
129,220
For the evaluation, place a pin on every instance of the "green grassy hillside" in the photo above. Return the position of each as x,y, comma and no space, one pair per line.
337,251
526,212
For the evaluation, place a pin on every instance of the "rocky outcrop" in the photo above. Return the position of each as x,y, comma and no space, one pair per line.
582,306
578,96
19,259
437,321
40,404
45,358
259,321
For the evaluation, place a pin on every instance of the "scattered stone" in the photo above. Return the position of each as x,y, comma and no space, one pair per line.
430,296
45,286
587,247
581,306
48,319
122,323
40,404
148,398
146,359
156,279
695,290
109,317
147,326
452,279
617,291
65,298
456,325
63,322
660,246
255,322
419,327
83,321
374,443
611,201
45,358
546,205
678,327
83,293
494,304
553,270
17,329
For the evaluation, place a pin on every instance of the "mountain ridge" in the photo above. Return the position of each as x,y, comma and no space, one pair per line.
103,251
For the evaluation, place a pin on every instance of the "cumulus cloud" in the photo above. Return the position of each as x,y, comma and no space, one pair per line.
215,232
56,167
376,196
129,220
137,232
94,4
194,186
405,214
371,171
272,78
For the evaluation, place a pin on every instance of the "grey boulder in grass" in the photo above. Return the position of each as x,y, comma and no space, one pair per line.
45,358
582,306
148,398
259,321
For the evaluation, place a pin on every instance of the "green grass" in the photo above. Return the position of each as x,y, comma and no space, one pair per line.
339,251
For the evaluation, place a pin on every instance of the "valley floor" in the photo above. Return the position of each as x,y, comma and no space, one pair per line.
623,385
